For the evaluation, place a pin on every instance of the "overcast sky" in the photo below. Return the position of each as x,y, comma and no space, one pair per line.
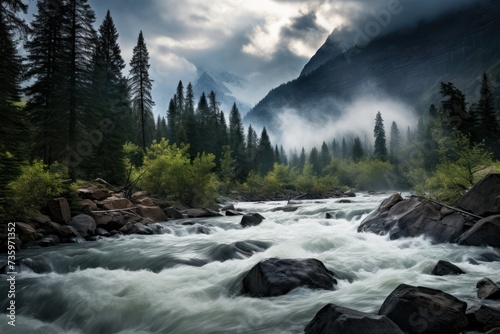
266,42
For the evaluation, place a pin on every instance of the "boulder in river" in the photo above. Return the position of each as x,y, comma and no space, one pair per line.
26,232
201,213
486,232
251,219
173,213
482,199
154,213
84,224
424,310
286,208
59,210
336,319
444,268
487,289
276,277
415,217
483,318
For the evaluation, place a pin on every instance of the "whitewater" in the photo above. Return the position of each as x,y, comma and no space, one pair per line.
188,279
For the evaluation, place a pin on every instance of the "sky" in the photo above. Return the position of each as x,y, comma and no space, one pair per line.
266,42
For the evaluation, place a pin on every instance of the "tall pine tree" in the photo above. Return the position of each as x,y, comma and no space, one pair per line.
141,86
380,147
395,144
265,153
237,143
487,118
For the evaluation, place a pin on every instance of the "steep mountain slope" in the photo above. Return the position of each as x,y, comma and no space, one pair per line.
408,65
222,84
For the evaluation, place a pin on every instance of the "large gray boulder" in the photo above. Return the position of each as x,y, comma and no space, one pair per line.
251,219
444,268
415,217
483,198
276,277
487,289
59,210
84,224
201,213
425,311
336,319
486,232
483,318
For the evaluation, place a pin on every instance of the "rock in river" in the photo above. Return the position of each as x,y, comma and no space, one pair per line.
276,277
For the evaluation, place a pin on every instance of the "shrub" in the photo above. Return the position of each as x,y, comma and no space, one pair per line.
32,188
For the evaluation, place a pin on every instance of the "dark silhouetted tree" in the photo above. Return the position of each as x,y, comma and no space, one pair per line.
380,147
315,161
237,143
357,150
395,144
141,86
487,118
265,153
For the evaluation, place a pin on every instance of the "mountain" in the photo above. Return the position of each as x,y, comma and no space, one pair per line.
407,65
224,85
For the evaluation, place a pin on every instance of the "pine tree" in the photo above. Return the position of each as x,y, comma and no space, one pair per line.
251,148
344,153
189,123
325,155
222,131
81,36
395,144
488,122
315,161
179,102
357,150
283,156
277,158
265,153
172,123
13,124
141,86
302,160
380,147
237,143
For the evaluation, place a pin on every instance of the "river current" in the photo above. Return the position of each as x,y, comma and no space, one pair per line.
188,279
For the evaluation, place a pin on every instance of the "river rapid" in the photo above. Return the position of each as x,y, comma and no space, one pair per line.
188,279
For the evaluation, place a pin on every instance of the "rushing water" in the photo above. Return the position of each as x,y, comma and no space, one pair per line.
188,281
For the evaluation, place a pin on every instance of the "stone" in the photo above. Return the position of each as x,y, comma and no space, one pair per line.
201,213
139,194
344,201
444,268
251,219
276,277
67,232
424,310
173,213
330,215
116,203
487,289
147,201
154,213
50,240
41,219
228,207
232,213
136,228
110,220
286,208
102,232
87,203
486,232
349,194
483,318
77,240
336,319
401,218
483,198
59,210
84,224
27,233
93,193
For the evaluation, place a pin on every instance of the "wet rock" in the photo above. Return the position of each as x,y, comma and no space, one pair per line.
50,240
487,289
154,213
110,220
84,224
102,232
202,230
444,268
483,318
26,232
93,193
251,219
238,250
344,201
286,208
136,228
51,227
486,232
59,210
173,213
228,207
330,215
67,232
415,217
201,213
276,277
336,319
349,194
77,240
116,203
87,203
425,310
482,199
233,213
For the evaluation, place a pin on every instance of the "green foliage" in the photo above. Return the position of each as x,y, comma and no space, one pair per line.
168,170
227,170
33,187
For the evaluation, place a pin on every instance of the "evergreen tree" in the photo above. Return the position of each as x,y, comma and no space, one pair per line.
395,144
344,149
357,150
315,161
172,118
302,160
251,148
283,157
141,86
237,143
380,147
487,118
265,153
325,155
335,149
12,126
189,122
277,158
455,107
179,102
222,131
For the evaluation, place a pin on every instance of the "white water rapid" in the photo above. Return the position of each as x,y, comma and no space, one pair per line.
186,281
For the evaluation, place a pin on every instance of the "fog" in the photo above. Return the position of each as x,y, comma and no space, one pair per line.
357,119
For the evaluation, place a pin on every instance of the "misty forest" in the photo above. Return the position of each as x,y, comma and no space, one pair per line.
196,216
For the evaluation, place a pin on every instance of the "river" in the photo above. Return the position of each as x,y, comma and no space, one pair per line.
188,279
